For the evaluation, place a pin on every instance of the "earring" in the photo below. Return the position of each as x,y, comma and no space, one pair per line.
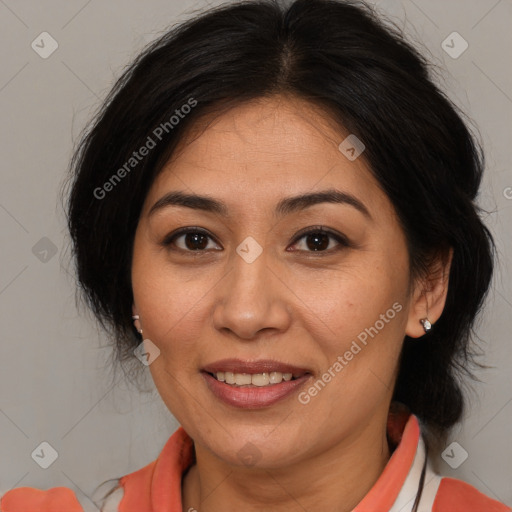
136,317
427,326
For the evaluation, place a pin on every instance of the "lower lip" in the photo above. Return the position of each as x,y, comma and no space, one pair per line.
253,397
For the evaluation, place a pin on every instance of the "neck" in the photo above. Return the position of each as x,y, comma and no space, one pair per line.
334,480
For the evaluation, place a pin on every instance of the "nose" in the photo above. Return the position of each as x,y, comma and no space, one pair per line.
251,300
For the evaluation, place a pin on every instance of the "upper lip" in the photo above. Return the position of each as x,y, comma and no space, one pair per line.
259,366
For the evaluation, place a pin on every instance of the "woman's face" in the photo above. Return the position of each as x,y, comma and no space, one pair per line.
248,286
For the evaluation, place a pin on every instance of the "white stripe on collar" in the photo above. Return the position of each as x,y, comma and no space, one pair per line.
407,495
111,503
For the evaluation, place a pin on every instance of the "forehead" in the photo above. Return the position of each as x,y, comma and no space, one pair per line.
259,151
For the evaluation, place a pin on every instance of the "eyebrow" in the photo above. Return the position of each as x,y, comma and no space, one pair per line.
286,206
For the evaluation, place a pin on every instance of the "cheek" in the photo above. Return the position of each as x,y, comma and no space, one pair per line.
360,339
166,304
357,318
169,311
341,305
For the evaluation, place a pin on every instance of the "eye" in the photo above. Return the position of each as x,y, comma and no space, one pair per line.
193,239
317,239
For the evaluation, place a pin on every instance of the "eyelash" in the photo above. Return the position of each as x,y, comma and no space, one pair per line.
342,240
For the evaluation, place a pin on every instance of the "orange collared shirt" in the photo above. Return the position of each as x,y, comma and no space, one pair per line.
157,486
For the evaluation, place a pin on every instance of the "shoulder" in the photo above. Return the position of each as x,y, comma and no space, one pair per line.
135,488
56,499
106,498
458,496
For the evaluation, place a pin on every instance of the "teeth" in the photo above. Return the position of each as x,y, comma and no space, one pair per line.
275,377
256,379
260,379
241,379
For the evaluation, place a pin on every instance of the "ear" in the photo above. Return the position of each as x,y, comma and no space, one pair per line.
429,295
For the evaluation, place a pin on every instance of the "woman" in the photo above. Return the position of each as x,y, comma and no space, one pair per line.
274,210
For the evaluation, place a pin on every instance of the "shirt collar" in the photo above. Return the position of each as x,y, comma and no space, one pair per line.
165,473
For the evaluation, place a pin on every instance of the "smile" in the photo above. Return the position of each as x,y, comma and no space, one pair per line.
253,384
255,379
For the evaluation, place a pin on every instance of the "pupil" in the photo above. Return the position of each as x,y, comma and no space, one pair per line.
316,237
194,239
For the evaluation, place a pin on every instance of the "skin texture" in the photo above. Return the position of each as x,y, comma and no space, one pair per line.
292,304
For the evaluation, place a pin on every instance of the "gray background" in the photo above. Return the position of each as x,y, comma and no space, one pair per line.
55,379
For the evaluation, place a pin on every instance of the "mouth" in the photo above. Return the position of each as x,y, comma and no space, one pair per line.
260,373
253,384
